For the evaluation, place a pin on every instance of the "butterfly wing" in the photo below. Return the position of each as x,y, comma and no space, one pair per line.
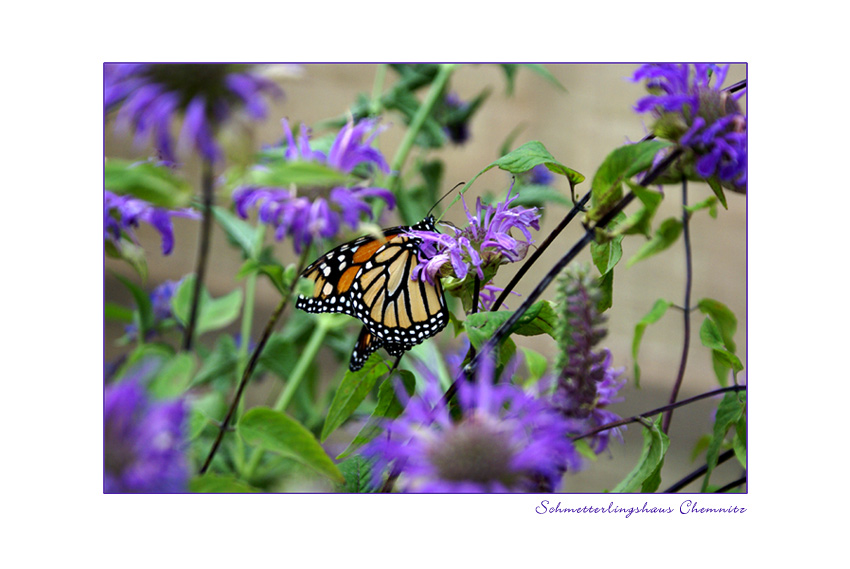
369,278
367,343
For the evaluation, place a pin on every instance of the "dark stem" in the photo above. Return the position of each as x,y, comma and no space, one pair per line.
399,465
539,251
698,473
589,236
734,484
639,418
686,309
476,291
252,364
203,251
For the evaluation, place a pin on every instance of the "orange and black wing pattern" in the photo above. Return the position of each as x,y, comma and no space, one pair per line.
369,278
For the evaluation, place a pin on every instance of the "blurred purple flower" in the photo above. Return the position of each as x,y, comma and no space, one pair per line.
540,175
482,246
587,383
149,97
122,214
701,117
304,219
143,441
457,121
161,303
505,440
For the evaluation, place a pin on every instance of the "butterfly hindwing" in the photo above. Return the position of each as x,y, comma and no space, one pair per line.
370,278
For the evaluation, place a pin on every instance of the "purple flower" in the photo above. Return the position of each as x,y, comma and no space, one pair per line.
587,383
540,175
505,440
161,304
143,441
457,120
482,246
702,118
149,97
305,219
122,214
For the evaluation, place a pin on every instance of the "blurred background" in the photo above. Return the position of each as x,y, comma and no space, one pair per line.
579,125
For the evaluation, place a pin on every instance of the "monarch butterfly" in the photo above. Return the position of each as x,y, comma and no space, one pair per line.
369,278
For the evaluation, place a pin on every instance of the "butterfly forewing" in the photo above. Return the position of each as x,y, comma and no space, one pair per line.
370,278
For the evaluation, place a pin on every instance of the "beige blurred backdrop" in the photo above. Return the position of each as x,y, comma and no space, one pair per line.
579,126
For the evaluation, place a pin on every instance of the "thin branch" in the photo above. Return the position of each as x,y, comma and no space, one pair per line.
639,418
588,237
698,473
252,364
734,484
686,309
539,251
203,252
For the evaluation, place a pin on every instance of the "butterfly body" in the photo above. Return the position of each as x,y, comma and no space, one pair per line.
369,278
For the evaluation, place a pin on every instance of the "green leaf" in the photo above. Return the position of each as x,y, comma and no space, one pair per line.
525,158
718,191
729,412
536,364
665,235
709,203
113,311
510,71
238,231
278,355
303,174
536,195
388,407
533,154
606,254
543,72
149,357
583,448
653,481
711,338
215,483
155,184
277,432
213,314
620,165
540,322
700,446
353,389
723,318
538,319
739,441
280,276
654,315
358,475
655,444
641,221
208,409
144,307
174,378
130,252
605,283
220,363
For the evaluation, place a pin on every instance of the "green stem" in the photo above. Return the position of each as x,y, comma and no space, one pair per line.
250,295
295,378
377,87
422,113
245,336
252,363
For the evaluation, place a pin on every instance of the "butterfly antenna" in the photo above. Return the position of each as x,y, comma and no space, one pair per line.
444,196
